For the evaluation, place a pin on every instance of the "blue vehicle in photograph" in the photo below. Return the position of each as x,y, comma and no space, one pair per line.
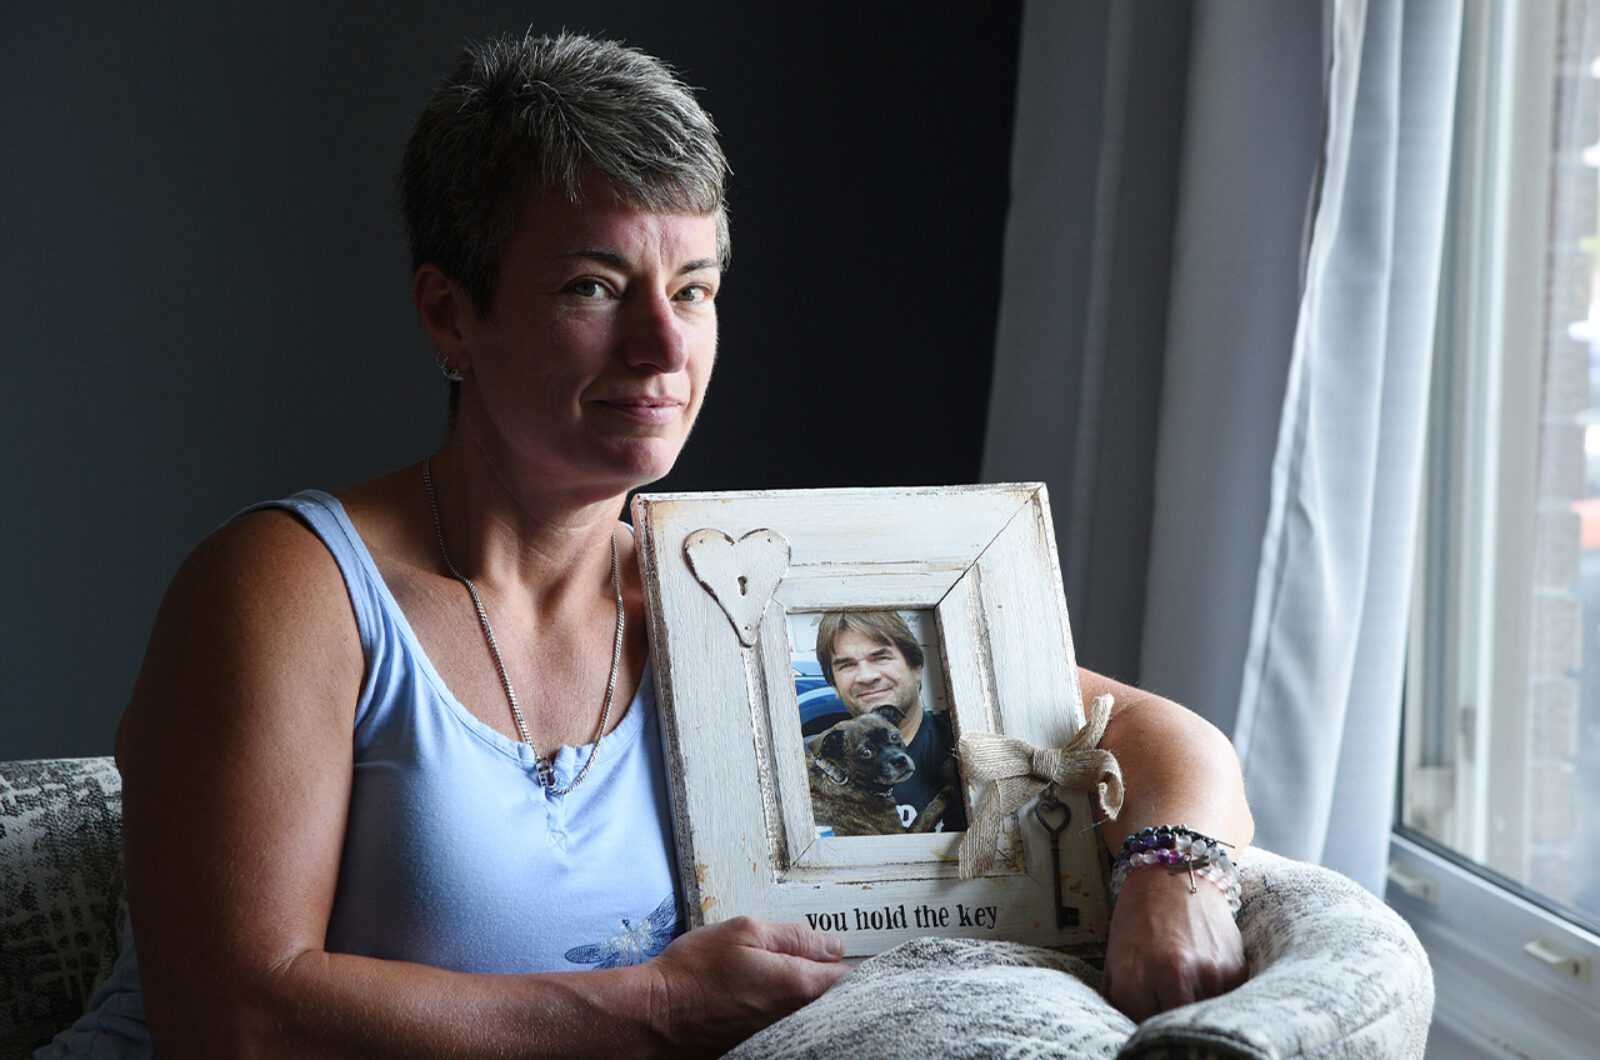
820,706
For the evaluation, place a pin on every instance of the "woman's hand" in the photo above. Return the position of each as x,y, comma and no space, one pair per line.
717,985
1168,947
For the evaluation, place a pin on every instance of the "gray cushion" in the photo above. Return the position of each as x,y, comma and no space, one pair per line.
1334,975
62,903
959,998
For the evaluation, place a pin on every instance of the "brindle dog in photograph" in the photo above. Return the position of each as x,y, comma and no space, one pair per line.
853,768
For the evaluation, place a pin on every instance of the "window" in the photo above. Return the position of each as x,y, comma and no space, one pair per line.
1497,855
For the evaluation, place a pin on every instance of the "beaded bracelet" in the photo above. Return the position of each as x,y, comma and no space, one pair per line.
1180,849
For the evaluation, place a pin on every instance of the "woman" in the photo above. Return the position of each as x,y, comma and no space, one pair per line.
391,773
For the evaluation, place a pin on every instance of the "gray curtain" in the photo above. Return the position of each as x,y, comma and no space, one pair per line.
1292,401
1319,710
1252,140
1077,377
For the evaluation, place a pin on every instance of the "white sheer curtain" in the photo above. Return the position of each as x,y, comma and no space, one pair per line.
1293,398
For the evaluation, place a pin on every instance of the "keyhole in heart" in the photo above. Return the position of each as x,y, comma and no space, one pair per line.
742,583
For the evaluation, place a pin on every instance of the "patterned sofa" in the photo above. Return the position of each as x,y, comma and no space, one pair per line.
62,903
1334,974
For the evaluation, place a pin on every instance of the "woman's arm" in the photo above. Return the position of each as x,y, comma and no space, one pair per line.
236,753
1168,947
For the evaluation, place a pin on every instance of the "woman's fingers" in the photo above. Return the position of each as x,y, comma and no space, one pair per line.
724,982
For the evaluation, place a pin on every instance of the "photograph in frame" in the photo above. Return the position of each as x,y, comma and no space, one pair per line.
875,721
737,586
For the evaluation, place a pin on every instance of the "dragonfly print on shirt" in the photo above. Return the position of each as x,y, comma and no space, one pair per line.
632,944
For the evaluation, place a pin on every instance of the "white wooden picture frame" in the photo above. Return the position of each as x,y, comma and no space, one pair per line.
723,570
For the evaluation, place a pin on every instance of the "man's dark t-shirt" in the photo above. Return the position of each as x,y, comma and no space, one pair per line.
930,749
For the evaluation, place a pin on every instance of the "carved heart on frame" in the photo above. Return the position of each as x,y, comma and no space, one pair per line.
741,575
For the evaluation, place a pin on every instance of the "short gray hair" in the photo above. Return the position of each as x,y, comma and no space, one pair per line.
524,112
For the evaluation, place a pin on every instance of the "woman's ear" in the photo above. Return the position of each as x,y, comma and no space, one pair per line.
446,313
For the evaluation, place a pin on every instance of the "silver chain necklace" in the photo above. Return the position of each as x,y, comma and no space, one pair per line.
546,768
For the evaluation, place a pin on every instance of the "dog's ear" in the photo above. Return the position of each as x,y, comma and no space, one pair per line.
828,754
831,746
894,714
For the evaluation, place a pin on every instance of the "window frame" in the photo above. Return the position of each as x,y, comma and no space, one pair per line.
1493,992
1512,977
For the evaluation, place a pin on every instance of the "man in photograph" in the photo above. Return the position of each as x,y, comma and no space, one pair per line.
872,661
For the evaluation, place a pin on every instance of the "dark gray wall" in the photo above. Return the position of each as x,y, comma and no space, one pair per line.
206,299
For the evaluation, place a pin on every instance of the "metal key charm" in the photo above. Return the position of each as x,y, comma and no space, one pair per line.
1046,809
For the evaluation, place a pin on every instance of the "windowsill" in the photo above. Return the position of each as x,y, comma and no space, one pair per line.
1490,991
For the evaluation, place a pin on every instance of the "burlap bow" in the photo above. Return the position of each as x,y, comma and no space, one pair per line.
1019,772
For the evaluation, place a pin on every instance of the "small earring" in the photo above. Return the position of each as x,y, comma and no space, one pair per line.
448,370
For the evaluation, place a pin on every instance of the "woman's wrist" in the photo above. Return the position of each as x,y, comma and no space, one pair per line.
1178,850
645,1007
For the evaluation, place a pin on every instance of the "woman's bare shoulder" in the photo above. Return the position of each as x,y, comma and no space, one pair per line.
269,553
256,628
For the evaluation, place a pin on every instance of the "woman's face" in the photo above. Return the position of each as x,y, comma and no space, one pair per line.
591,367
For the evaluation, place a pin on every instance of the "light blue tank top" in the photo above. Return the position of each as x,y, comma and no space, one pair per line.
454,855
